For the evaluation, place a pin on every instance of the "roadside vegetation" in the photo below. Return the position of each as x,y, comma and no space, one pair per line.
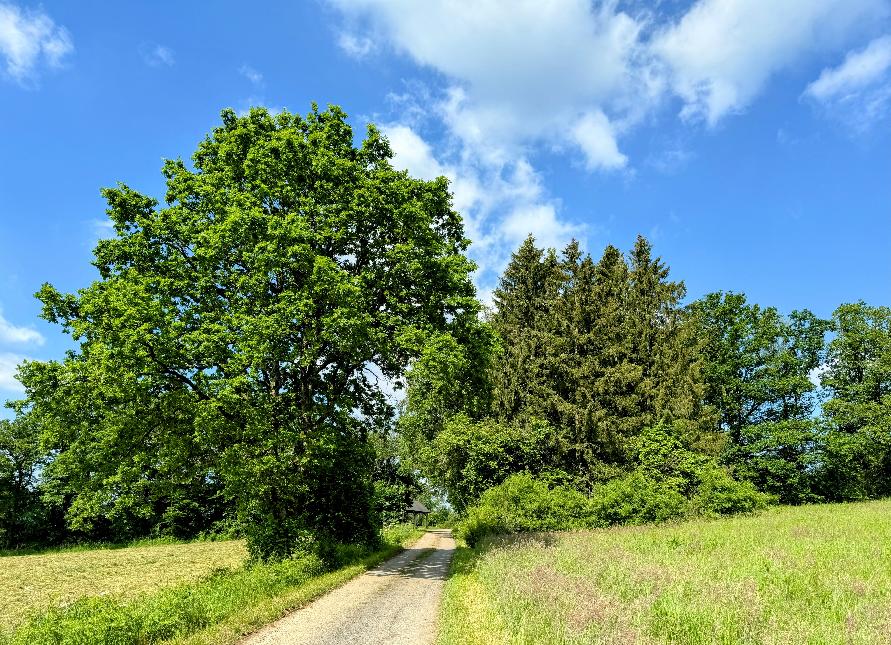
201,592
790,575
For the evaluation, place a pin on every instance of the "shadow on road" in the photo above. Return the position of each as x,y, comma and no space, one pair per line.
425,563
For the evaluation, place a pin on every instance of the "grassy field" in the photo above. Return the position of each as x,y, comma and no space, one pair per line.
184,593
33,583
809,574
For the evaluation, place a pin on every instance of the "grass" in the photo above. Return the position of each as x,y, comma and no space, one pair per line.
32,584
808,574
186,593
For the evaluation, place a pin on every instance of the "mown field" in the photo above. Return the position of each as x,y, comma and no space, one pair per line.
807,574
30,584
196,593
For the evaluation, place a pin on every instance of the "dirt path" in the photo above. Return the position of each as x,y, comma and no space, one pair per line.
396,603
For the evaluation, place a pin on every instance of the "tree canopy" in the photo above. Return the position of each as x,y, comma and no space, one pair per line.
243,326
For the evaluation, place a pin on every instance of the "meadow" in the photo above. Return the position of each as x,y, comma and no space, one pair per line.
806,574
200,592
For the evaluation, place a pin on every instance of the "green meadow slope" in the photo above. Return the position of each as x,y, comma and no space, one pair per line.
806,574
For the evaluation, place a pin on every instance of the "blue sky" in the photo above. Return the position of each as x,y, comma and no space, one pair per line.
750,140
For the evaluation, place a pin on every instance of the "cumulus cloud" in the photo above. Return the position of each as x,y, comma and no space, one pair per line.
580,74
14,334
511,78
501,201
860,87
721,53
519,73
156,55
30,39
595,135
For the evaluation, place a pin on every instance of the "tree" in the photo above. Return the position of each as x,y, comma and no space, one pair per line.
23,518
287,269
600,351
758,367
523,376
857,377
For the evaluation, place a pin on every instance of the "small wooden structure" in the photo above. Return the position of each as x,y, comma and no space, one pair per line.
418,512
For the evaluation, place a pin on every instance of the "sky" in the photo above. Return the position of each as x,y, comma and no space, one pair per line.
749,140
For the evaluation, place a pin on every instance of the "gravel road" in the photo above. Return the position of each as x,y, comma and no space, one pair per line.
396,603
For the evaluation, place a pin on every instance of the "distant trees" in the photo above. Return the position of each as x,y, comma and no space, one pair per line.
757,371
857,378
599,350
601,379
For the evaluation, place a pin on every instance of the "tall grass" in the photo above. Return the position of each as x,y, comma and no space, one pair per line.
220,607
809,574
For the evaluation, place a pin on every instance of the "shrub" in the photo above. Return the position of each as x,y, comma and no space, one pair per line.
638,499
473,456
522,504
719,494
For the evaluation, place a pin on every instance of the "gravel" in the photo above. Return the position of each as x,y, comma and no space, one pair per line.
396,603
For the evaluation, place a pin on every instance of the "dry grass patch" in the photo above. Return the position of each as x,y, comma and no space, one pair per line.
30,584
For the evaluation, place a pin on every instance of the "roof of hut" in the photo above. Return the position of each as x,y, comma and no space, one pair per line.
417,507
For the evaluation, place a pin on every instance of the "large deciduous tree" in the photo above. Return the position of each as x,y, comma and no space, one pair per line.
758,374
857,377
251,316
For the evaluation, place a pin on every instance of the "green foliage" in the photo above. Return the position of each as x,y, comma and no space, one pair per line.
757,373
599,350
25,519
470,457
637,499
236,334
858,410
668,481
523,504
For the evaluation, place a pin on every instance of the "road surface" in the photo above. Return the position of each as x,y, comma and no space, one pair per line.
394,604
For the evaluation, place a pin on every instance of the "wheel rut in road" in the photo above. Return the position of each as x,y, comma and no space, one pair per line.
396,603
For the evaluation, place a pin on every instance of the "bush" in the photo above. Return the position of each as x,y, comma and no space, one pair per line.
473,456
521,504
638,499
719,494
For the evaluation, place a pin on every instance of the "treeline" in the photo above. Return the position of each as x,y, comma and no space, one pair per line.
228,367
603,384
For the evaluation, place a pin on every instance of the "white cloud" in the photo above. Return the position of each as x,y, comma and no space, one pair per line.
815,376
517,73
29,38
595,135
13,334
501,201
859,89
412,153
251,74
8,366
156,55
511,78
860,69
721,53
355,46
